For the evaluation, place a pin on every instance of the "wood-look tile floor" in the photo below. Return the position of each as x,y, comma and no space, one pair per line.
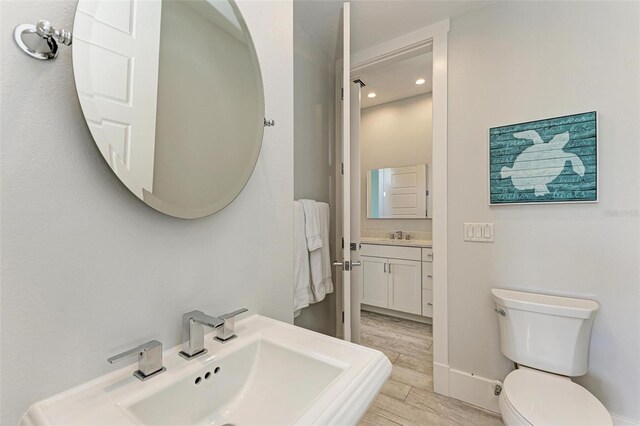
408,398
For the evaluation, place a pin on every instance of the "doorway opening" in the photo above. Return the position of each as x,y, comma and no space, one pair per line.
409,297
396,275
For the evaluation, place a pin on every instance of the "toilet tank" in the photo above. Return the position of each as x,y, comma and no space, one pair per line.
548,333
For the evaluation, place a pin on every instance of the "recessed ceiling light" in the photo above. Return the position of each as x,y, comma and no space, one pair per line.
420,81
371,95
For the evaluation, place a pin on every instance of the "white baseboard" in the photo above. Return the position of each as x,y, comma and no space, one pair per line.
441,378
621,421
478,390
397,314
475,390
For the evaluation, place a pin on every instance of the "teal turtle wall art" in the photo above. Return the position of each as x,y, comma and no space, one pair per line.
545,161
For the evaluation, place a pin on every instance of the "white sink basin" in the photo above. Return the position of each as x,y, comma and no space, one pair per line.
243,391
273,374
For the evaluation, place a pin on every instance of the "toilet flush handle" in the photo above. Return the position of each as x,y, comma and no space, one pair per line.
500,312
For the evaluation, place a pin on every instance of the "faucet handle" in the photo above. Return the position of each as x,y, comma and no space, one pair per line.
227,331
149,359
233,314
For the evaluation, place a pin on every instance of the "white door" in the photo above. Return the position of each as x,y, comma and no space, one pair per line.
405,286
123,52
374,281
349,183
354,175
405,191
345,179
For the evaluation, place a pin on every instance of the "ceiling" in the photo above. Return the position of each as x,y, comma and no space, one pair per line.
397,80
373,21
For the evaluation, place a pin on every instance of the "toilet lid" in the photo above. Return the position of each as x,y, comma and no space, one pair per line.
544,399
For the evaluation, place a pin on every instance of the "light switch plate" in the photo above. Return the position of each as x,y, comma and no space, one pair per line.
479,232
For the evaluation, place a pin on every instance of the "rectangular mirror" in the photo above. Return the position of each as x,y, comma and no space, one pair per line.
399,193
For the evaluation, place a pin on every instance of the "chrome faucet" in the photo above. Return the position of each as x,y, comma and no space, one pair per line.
193,331
399,235
227,331
149,359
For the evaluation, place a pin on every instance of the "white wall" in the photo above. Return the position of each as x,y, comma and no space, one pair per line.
313,137
89,270
517,61
395,134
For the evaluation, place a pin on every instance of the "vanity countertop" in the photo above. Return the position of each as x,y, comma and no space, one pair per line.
390,242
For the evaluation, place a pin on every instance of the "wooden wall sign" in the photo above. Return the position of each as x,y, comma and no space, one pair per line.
545,161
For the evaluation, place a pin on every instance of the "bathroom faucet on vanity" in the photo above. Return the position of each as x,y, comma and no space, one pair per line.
149,359
150,353
193,331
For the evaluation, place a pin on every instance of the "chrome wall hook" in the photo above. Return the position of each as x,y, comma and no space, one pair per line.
41,41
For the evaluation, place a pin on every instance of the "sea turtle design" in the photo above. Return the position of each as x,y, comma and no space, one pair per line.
541,163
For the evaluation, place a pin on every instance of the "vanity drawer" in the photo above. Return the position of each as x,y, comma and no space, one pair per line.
427,255
427,275
427,303
393,252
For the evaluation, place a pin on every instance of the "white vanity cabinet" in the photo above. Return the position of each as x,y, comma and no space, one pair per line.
392,278
427,282
404,286
374,274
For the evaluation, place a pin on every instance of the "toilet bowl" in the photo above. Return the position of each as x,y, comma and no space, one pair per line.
531,397
548,339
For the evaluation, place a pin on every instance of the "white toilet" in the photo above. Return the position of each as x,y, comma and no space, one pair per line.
548,339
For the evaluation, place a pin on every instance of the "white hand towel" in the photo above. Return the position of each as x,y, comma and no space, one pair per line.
312,224
320,260
318,290
302,276
327,268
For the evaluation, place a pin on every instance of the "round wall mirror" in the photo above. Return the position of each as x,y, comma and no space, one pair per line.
172,93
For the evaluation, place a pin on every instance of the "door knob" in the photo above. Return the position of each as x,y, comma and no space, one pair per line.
346,266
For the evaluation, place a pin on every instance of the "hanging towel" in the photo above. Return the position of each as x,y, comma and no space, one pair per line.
320,260
325,226
312,224
302,276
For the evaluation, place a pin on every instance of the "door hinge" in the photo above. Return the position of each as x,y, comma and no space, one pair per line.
342,94
343,243
341,168
343,317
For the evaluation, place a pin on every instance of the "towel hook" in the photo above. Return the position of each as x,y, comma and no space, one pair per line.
41,41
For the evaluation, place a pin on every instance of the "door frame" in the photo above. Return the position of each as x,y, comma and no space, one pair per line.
433,37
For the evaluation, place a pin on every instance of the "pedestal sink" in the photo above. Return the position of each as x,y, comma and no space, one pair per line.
273,374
